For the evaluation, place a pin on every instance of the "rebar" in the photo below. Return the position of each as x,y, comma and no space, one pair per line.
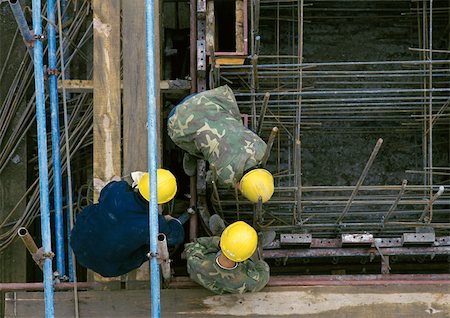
351,99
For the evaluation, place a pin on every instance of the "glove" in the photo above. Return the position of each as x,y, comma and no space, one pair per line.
136,177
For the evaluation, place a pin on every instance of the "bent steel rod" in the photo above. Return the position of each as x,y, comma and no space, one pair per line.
269,146
429,208
394,205
361,180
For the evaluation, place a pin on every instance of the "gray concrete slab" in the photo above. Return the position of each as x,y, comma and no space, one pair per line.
302,301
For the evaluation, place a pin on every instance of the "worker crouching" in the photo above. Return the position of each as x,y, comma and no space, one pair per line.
112,237
208,126
229,263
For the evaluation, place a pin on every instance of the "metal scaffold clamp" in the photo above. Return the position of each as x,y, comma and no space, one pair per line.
34,38
50,71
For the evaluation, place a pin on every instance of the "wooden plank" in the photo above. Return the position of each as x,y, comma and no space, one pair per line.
175,85
240,25
76,86
229,60
315,301
86,86
211,40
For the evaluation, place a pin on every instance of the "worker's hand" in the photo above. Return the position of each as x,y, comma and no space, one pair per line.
136,176
168,217
99,184
116,178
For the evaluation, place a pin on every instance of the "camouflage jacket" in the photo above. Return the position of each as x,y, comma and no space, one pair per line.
247,276
208,125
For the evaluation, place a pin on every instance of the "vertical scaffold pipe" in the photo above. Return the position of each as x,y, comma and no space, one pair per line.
42,159
54,115
152,152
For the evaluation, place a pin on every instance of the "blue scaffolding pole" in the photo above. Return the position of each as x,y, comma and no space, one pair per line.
152,159
42,159
54,114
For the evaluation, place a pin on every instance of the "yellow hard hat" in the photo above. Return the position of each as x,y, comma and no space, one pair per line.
167,186
238,241
257,183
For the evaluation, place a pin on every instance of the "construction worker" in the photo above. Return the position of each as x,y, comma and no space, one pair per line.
229,263
208,126
111,237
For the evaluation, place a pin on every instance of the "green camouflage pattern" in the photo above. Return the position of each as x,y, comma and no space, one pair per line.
248,276
208,125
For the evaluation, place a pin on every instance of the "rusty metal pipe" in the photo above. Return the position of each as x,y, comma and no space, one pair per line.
27,240
263,113
272,136
9,287
31,247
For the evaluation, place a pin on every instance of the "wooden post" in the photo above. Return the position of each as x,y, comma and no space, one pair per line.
107,95
135,97
134,88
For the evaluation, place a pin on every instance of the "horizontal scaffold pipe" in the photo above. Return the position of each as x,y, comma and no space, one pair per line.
9,287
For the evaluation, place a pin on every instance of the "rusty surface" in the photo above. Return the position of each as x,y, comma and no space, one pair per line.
5,287
339,252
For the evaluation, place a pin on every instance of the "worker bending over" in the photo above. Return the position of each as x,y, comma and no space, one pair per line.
223,264
208,126
112,237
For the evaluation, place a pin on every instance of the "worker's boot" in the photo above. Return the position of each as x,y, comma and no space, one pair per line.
189,164
266,237
216,225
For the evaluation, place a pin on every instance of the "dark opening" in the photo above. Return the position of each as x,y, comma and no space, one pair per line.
225,13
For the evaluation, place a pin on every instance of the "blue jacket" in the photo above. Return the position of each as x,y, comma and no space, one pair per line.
112,236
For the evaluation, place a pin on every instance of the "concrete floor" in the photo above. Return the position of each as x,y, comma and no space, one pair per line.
301,301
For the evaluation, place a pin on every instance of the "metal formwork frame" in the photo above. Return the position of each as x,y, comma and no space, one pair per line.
305,97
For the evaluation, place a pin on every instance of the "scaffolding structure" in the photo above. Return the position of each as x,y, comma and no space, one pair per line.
363,108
